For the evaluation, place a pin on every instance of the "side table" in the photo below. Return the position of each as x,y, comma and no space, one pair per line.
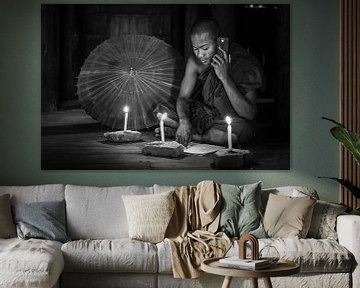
281,268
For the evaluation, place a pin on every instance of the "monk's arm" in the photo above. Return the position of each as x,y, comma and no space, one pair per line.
183,134
244,105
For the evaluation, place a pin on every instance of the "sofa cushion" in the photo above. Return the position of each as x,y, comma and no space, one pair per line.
109,280
323,222
116,255
30,263
287,216
148,215
44,220
164,257
313,255
163,188
98,212
240,210
7,226
34,193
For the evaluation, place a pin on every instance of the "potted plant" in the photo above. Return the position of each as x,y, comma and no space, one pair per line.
351,141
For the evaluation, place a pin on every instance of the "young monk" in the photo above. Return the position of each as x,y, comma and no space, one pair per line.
215,85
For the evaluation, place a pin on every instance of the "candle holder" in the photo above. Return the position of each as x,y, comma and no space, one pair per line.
270,253
164,149
232,159
123,136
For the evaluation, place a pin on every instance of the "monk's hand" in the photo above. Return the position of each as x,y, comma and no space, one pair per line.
221,65
183,133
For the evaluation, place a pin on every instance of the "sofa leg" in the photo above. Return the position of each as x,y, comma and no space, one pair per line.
267,282
227,282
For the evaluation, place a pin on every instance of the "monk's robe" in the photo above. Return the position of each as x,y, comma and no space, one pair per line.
210,103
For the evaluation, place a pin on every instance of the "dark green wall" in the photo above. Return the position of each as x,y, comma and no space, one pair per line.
314,93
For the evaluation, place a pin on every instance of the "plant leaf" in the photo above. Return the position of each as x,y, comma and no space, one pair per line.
348,138
332,120
347,184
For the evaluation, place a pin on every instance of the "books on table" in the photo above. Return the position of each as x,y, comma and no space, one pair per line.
249,264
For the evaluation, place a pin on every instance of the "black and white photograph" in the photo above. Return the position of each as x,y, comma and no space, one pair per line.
176,87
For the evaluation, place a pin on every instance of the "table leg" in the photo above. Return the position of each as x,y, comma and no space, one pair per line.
254,282
227,282
267,283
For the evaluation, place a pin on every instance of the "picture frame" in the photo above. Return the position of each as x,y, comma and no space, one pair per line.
74,135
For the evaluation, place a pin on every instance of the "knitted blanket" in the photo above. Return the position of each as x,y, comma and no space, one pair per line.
191,232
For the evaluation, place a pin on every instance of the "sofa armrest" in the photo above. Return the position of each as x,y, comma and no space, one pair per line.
348,230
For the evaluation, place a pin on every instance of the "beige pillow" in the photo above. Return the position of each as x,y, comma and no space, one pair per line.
149,215
288,217
7,226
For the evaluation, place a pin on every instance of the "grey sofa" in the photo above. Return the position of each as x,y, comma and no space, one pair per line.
102,255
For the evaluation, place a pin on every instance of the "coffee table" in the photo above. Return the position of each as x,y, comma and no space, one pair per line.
281,268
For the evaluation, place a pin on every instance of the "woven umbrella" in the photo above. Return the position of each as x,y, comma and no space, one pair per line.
137,71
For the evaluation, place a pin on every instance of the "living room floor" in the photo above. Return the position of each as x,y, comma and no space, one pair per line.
72,140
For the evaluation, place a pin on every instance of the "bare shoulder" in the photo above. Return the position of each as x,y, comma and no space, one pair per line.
189,79
193,66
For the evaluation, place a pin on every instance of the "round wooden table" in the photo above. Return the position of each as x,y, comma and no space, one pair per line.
281,268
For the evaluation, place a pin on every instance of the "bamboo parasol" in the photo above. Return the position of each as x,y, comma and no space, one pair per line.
137,71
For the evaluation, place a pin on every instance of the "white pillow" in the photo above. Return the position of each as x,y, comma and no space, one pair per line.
149,215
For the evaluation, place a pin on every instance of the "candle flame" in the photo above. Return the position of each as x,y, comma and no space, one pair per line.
228,120
164,116
126,109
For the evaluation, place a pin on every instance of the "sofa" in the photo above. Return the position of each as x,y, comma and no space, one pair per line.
99,253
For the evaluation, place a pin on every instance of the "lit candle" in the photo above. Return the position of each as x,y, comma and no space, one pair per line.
228,121
162,132
126,111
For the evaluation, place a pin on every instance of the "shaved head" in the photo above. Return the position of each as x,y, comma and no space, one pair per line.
203,25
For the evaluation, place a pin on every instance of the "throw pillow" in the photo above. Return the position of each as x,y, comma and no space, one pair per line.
44,220
7,226
323,222
149,215
288,217
240,213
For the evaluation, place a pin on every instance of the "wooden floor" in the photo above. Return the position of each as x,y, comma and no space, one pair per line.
72,140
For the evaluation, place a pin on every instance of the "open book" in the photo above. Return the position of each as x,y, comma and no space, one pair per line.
236,262
202,149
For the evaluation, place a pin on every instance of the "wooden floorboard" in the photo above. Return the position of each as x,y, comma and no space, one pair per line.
72,140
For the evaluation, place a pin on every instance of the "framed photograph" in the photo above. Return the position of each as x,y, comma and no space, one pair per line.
186,86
